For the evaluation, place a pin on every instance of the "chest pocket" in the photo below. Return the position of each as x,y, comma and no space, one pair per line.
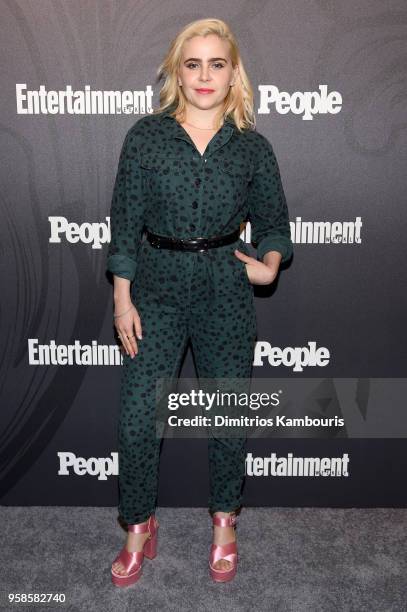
157,169
157,161
165,175
234,177
240,172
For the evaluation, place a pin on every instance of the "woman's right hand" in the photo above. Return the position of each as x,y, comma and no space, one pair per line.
128,327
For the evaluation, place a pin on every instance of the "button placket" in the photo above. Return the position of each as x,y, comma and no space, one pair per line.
196,205
220,139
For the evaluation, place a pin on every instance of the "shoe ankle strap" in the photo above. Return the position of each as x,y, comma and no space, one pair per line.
228,521
140,527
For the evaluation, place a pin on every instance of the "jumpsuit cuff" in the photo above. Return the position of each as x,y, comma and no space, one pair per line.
224,508
278,243
122,266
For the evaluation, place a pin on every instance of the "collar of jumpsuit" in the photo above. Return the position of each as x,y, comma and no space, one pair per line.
220,138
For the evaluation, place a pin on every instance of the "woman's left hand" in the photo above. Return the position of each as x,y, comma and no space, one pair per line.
261,273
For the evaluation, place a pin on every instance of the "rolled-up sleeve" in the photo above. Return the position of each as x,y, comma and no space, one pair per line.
126,213
268,213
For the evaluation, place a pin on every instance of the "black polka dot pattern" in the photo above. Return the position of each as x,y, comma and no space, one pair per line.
164,184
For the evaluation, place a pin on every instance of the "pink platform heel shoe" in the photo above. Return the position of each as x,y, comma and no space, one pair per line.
133,561
226,551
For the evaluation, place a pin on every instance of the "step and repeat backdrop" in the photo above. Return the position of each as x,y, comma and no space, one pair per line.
329,83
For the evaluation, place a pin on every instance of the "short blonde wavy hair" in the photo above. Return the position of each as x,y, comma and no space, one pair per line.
239,101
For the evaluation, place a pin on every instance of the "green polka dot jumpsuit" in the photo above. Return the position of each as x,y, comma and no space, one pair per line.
165,185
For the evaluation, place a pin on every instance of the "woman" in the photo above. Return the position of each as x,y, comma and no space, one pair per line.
190,174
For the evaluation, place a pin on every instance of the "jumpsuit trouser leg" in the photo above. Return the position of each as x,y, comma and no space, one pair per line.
219,318
160,354
223,341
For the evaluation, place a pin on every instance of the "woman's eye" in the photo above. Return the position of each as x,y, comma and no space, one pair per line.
216,64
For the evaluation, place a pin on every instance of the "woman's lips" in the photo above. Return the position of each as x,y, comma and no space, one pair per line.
205,91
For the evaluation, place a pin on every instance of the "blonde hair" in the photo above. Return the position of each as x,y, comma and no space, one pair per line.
239,101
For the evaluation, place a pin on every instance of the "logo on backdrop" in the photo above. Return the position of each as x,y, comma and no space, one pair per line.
88,101
295,357
94,234
73,354
326,232
85,101
305,103
103,467
302,232
297,466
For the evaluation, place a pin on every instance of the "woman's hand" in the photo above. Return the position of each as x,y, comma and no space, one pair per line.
261,273
128,326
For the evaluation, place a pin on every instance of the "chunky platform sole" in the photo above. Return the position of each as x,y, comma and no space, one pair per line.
225,551
136,558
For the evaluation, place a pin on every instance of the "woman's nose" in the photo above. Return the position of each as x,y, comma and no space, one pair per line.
204,74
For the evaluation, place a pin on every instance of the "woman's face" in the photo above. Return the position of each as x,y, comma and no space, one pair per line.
206,71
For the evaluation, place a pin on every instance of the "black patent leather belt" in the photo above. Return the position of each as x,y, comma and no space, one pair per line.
193,244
